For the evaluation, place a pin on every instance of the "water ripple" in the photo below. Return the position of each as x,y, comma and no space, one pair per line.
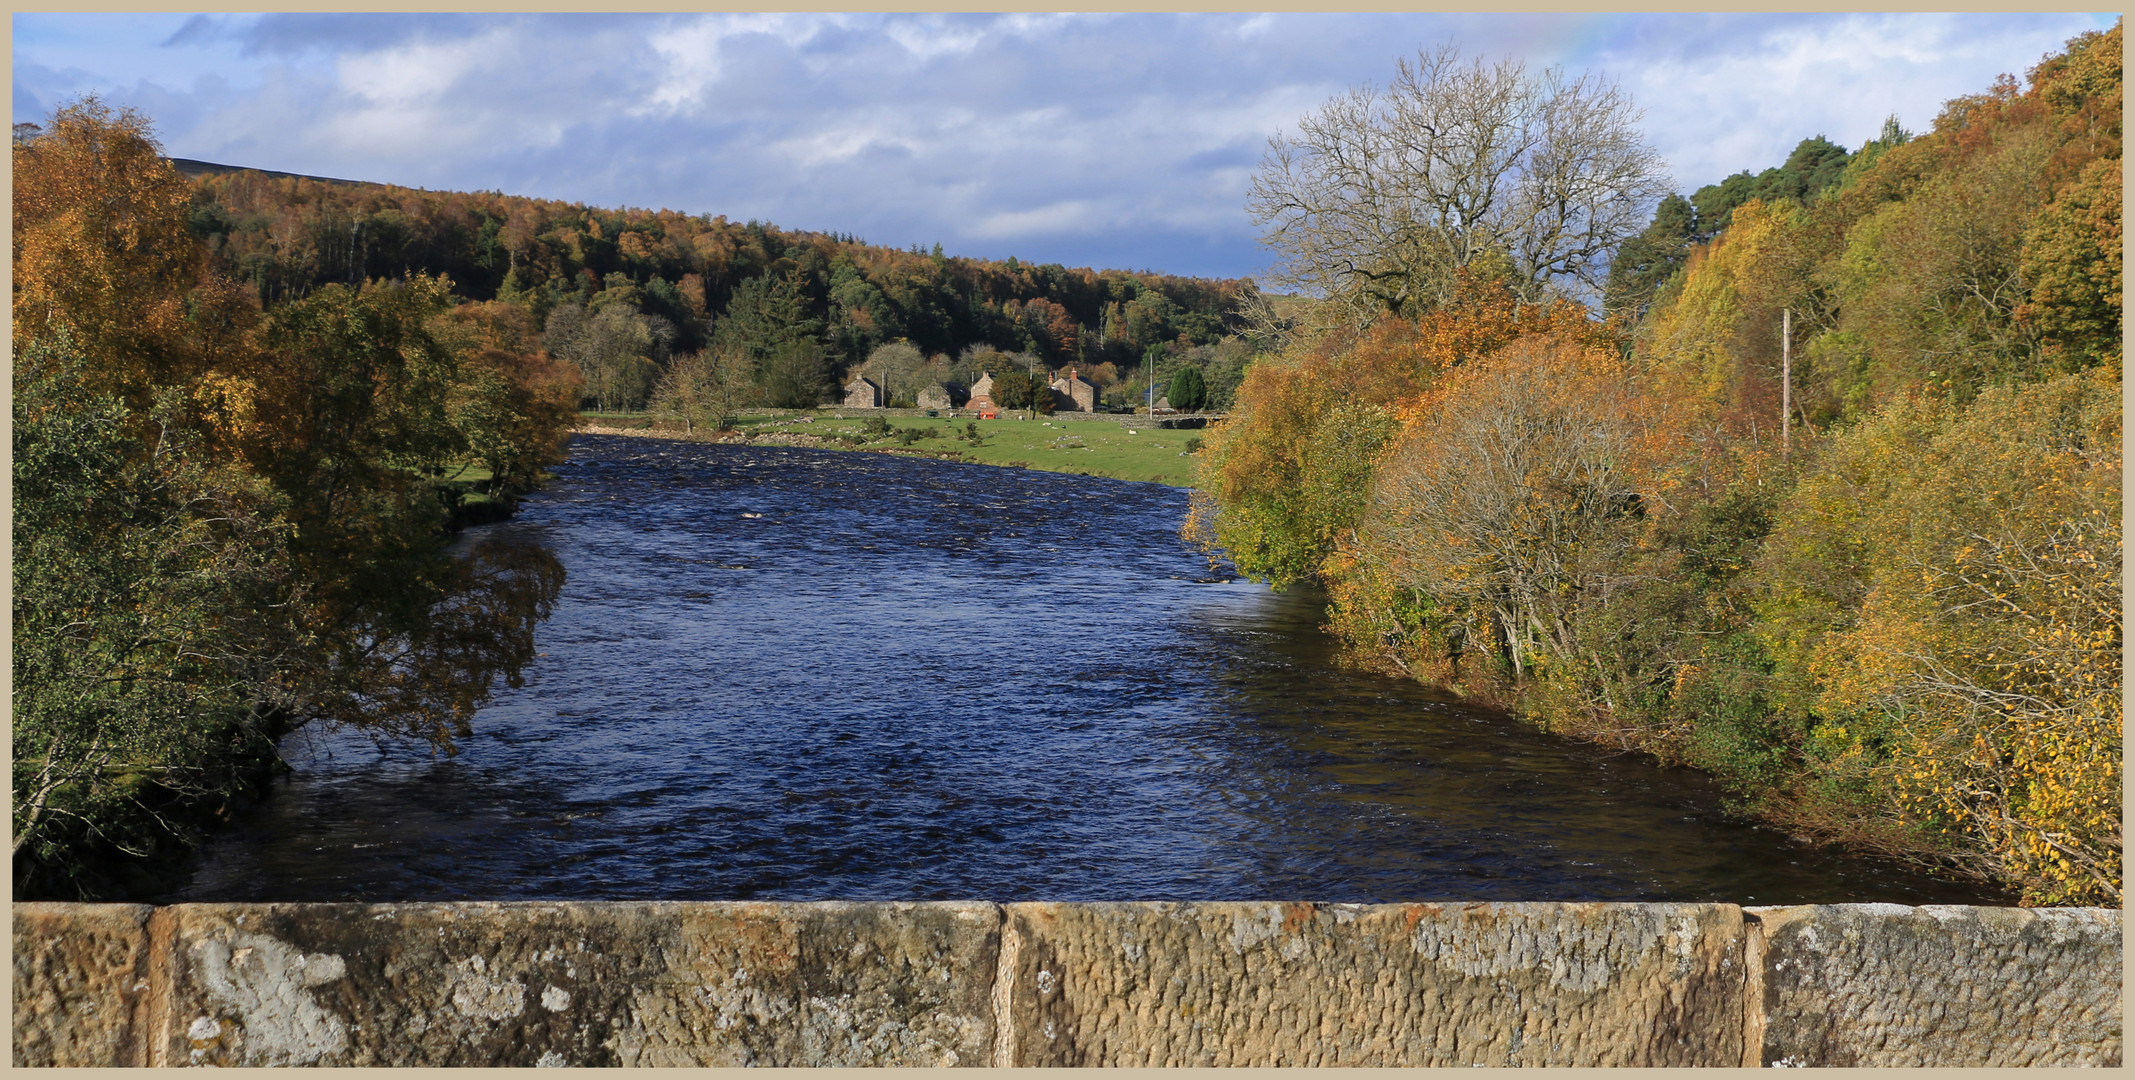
796,674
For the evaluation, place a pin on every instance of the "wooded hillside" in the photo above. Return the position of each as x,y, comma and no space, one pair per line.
673,284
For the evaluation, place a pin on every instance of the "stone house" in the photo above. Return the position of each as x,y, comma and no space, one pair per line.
863,394
943,396
1073,393
982,395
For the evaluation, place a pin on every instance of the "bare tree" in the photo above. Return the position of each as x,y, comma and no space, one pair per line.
1382,195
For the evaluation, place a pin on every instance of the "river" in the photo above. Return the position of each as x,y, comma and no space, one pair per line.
796,674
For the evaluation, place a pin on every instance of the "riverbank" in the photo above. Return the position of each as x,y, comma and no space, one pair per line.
1119,448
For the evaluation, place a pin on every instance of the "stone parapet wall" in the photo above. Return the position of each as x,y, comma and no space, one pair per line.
1262,984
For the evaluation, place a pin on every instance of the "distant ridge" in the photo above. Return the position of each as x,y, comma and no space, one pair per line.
191,167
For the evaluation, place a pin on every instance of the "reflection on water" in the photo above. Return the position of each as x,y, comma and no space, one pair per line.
791,674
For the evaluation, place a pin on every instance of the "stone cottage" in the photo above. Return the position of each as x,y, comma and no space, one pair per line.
1073,393
943,396
982,395
863,394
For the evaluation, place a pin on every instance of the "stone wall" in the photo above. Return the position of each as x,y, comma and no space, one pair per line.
687,983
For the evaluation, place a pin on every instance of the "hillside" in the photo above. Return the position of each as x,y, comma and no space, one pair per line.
679,283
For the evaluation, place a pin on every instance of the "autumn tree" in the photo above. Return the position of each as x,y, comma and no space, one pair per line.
228,522
1383,194
706,388
102,250
1290,471
617,350
1513,497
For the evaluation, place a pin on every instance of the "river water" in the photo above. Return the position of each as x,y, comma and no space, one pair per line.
797,674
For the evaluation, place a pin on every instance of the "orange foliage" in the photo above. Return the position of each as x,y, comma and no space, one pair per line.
102,250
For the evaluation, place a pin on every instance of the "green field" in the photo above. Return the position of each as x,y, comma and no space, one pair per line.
1082,447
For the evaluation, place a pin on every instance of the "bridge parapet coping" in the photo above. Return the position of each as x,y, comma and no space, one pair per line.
974,983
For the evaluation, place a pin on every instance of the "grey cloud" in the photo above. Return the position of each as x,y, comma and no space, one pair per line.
291,34
1128,134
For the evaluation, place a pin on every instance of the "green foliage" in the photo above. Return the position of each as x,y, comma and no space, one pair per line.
1942,599
1189,392
1280,528
156,614
1648,260
795,376
290,236
1018,389
228,522
618,351
1815,165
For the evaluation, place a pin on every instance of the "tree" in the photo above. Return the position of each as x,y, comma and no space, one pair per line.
226,522
765,314
514,411
1647,260
1189,391
1815,165
1514,497
899,368
616,349
1015,389
794,376
101,247
158,624
1383,194
706,388
1290,470
1942,599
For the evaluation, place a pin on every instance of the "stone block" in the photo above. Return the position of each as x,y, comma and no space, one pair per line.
1937,986
669,984
81,971
1270,984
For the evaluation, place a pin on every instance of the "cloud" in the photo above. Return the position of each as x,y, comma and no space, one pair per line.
1736,95
1070,215
1108,139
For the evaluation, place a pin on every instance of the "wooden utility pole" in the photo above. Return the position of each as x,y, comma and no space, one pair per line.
1786,380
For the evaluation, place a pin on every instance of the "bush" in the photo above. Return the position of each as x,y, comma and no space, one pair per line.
1942,600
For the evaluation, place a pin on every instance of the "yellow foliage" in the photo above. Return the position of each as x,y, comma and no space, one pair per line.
1955,577
1711,339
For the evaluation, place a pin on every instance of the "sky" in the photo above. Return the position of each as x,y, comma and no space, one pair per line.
1106,140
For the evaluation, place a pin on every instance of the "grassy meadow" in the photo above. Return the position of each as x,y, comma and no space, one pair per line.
1085,447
